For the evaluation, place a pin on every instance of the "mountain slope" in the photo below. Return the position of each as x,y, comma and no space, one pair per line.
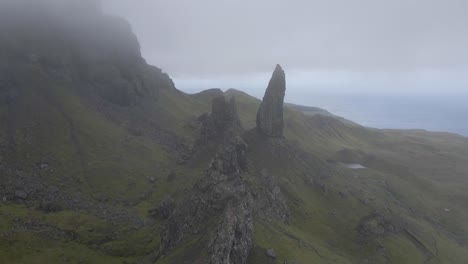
396,184
100,154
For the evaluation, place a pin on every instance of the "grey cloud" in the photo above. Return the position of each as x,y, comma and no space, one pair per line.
215,37
327,45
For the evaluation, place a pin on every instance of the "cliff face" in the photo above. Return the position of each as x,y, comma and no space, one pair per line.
270,113
74,42
219,205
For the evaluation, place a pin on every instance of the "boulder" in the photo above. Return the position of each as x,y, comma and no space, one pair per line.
151,179
270,113
44,166
21,194
271,253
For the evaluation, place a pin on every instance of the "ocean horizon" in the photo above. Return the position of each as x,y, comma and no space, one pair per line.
430,112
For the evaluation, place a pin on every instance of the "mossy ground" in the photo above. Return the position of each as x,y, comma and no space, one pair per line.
412,174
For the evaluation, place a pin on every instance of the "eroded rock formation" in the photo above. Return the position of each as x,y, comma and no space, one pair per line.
222,121
222,195
270,113
224,203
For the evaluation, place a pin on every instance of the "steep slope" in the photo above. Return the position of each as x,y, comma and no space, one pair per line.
103,160
417,214
90,135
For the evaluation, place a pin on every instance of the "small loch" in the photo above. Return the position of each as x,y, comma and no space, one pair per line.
354,166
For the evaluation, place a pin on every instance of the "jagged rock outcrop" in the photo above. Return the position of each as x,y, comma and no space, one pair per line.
222,121
225,113
270,203
270,113
221,205
224,204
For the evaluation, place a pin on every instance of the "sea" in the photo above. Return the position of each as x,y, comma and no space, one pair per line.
442,113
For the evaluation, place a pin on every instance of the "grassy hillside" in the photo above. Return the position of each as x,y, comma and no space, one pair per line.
416,178
111,176
94,142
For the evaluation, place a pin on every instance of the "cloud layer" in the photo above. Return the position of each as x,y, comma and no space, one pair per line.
212,38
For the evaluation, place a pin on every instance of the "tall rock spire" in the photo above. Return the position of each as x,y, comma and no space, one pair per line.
270,113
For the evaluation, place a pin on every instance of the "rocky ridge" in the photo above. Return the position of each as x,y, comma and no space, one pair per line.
220,199
224,204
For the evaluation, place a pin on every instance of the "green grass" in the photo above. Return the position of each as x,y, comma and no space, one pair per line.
412,176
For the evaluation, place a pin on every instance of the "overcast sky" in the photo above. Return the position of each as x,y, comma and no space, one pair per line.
335,46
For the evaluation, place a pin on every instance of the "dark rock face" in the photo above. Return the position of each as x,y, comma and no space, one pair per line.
79,46
232,159
233,238
269,200
223,195
270,113
223,204
222,121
